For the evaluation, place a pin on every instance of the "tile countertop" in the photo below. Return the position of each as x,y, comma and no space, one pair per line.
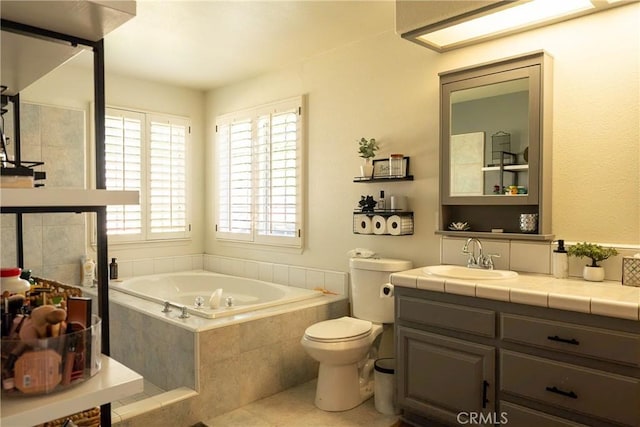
602,298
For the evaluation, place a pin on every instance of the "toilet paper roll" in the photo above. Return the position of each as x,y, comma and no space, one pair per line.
363,224
386,290
398,225
379,225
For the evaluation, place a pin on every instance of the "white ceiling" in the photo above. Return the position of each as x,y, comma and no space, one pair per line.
207,44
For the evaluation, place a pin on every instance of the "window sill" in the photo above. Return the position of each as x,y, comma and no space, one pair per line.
141,244
259,246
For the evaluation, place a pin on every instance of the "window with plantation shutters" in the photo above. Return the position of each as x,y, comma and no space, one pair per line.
124,133
259,174
148,153
167,178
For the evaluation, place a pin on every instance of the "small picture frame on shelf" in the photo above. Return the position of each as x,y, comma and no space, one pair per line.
381,168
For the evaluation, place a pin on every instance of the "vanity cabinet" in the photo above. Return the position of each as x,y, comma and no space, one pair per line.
439,374
504,363
495,141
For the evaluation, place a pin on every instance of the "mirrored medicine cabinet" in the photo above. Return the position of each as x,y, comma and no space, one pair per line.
495,142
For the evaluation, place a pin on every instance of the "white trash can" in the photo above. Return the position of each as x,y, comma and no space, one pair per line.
384,386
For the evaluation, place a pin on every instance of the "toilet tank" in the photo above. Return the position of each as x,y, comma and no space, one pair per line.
367,277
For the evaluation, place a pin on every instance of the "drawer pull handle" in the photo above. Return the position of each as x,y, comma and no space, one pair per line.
564,340
485,386
556,390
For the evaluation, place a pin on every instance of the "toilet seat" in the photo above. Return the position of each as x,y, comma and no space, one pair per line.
339,330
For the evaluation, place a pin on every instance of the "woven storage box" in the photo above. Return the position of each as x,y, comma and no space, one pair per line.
88,418
630,271
55,290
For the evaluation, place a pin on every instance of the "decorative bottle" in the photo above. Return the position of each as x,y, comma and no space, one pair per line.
113,269
381,205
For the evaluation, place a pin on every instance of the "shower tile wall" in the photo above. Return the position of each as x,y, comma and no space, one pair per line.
53,242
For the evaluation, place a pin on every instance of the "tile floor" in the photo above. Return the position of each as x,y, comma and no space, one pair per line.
294,408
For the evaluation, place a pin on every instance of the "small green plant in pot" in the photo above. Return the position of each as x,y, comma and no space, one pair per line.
367,150
592,272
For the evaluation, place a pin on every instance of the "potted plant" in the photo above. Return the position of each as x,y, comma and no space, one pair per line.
367,150
592,272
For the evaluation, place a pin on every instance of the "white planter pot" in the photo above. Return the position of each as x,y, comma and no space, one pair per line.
593,274
366,169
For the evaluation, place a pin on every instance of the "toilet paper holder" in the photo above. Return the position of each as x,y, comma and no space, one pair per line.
386,291
397,223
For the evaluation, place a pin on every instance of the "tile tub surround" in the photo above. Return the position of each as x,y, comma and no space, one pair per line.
282,274
229,362
603,298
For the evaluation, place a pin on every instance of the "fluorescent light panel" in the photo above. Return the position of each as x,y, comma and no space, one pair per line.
516,17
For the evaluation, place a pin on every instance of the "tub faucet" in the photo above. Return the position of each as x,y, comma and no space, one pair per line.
184,313
479,259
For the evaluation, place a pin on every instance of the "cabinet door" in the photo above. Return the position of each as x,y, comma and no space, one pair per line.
445,378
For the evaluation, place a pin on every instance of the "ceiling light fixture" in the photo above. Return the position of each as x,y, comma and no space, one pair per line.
503,18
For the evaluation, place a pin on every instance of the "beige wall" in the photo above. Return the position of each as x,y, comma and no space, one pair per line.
387,88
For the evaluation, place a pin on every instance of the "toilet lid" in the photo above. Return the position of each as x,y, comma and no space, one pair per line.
339,329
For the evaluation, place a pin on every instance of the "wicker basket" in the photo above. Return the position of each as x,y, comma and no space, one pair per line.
54,290
88,418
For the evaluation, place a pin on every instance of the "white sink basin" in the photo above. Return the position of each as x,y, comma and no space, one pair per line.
458,272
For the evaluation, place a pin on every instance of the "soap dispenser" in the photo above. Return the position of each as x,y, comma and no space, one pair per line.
560,262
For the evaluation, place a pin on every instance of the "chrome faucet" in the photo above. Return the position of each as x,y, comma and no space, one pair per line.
184,313
479,259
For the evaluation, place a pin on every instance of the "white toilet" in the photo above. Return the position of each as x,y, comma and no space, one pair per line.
342,345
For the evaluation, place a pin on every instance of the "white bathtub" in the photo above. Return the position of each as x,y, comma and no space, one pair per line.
184,288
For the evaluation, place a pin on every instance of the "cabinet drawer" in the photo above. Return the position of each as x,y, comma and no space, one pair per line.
581,340
448,316
519,416
588,391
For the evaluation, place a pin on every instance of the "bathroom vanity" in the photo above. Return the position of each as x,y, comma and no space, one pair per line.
526,351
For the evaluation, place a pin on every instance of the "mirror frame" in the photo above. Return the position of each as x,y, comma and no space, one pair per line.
495,216
467,78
